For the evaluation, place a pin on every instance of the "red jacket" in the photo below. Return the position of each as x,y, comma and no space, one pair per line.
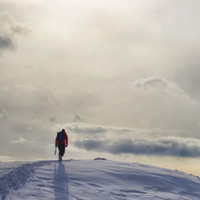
66,139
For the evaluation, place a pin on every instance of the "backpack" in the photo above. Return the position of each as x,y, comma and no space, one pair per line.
61,137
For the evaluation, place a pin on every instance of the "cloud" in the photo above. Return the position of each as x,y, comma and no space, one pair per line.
157,99
6,43
170,146
130,141
84,128
10,28
26,99
4,117
159,84
26,114
20,140
117,141
151,83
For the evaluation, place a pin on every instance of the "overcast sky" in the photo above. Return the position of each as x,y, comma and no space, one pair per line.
121,76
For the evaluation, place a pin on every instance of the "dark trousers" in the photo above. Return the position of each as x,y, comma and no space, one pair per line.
61,148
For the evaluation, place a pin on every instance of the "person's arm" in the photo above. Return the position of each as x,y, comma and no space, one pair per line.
56,142
66,144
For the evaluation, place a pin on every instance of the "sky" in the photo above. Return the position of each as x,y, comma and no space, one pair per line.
122,77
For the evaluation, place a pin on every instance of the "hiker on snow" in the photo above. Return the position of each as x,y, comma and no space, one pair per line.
61,142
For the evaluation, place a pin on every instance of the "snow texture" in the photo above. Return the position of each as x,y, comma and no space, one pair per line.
94,179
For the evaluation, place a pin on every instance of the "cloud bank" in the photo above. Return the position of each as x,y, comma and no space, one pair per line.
149,142
172,146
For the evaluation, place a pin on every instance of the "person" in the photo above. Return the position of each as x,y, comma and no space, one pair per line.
61,142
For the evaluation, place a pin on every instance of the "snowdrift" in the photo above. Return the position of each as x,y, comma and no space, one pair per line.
94,179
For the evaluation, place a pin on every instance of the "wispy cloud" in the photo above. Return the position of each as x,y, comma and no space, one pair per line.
20,140
163,86
10,28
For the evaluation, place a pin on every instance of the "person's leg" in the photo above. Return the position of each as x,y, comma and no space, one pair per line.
62,149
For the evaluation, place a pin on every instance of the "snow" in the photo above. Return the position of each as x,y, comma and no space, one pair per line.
94,179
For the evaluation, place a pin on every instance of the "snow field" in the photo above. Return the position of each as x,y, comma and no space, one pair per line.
95,179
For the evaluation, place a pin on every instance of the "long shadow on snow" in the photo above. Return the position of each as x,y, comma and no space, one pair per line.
61,188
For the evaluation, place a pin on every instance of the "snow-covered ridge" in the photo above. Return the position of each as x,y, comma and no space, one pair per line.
94,179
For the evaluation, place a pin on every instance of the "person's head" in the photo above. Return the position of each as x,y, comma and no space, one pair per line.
63,130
